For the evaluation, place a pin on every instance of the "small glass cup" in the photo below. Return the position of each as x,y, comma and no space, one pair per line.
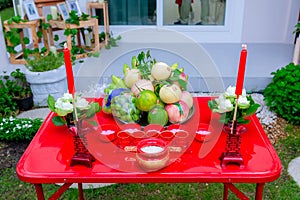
138,136
124,139
181,139
167,136
153,130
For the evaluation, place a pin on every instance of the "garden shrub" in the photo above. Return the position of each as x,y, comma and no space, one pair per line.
18,129
8,106
5,4
282,95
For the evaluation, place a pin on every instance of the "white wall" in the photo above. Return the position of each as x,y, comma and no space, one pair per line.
250,21
270,21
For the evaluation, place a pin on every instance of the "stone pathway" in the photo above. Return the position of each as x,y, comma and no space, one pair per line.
294,170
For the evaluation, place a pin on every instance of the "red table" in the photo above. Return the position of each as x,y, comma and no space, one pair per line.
47,159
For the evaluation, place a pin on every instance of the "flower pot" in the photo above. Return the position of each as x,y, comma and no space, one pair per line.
25,103
42,84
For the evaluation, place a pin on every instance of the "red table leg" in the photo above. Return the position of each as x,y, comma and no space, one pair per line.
80,191
259,191
225,194
39,191
239,194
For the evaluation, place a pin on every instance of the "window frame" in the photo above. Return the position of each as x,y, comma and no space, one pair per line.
231,31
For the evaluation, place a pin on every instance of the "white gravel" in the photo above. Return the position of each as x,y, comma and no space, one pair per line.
265,116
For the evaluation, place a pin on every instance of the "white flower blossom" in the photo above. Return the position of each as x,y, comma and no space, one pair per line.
230,92
224,105
68,97
82,103
63,107
243,102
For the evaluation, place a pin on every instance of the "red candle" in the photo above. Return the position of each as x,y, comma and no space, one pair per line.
241,72
69,70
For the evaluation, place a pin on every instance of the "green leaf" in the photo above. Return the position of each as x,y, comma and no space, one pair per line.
56,37
49,17
43,50
51,103
243,121
58,121
94,123
182,83
141,57
212,104
74,31
96,54
39,34
67,32
94,108
26,40
9,21
45,26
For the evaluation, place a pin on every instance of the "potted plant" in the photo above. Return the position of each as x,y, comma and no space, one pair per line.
46,75
19,89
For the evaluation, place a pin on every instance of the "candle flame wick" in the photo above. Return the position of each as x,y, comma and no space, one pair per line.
65,45
244,46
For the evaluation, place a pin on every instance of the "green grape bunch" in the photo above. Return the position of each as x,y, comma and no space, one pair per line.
123,107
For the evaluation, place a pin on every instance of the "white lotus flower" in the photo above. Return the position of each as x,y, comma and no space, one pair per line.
82,103
230,92
224,105
63,106
68,97
243,102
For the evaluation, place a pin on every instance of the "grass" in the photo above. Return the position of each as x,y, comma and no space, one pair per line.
6,14
283,188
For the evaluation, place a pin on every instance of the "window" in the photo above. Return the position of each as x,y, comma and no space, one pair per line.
223,24
132,12
196,12
143,12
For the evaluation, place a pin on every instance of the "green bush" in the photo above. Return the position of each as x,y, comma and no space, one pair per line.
5,4
282,95
18,129
8,107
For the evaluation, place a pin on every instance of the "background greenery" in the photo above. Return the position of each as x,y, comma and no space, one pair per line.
6,13
5,4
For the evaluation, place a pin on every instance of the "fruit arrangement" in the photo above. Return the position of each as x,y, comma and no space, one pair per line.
150,91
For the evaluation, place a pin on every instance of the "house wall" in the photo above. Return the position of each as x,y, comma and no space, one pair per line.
270,21
265,26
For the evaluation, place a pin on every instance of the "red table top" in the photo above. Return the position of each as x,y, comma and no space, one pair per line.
47,158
